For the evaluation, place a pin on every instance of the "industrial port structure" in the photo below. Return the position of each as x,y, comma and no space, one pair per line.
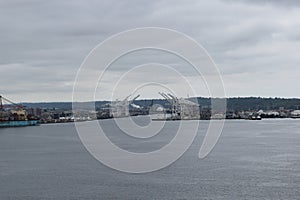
169,107
14,115
120,109
181,109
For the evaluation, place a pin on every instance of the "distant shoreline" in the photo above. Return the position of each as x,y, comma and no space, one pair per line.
150,99
233,103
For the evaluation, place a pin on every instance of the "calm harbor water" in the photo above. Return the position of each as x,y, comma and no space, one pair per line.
252,160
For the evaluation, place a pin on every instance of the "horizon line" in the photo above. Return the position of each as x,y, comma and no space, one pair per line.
231,97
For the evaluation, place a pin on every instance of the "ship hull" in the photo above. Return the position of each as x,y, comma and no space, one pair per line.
18,123
295,117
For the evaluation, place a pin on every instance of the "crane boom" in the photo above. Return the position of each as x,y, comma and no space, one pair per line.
135,98
173,97
166,97
127,98
9,101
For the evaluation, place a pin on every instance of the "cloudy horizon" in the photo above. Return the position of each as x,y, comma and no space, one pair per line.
255,44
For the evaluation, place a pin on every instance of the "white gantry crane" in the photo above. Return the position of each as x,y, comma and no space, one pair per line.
175,105
121,108
182,108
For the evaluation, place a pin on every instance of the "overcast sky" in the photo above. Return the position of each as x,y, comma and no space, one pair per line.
255,44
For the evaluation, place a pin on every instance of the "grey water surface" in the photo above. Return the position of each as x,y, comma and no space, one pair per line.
252,160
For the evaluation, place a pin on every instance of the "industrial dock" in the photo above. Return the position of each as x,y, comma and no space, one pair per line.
14,115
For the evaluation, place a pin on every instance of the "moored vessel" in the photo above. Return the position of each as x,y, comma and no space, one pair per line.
14,115
295,114
18,123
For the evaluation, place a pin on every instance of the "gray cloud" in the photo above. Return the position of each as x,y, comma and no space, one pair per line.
285,3
42,43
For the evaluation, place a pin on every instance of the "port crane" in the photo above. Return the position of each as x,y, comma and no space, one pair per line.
175,106
134,98
15,116
127,100
121,108
3,99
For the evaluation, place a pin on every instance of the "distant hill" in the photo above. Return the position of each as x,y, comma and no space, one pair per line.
256,103
241,103
237,103
50,105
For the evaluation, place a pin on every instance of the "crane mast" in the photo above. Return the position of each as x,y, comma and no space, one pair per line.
1,105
